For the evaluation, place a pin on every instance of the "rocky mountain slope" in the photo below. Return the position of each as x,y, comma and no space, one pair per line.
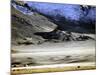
67,16
29,26
24,26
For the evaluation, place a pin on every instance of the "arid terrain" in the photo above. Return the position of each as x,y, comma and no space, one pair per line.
55,53
44,39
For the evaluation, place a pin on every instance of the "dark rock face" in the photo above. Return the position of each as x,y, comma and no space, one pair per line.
62,36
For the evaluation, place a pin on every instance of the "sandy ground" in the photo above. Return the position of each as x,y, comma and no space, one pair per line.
55,53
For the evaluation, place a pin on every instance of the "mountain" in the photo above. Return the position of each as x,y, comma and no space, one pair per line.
30,26
68,17
25,25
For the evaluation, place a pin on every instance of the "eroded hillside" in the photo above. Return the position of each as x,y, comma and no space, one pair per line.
24,26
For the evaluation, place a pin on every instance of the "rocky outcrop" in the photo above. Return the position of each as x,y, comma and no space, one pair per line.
64,36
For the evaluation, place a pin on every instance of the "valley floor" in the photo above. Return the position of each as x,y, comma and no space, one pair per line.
54,53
